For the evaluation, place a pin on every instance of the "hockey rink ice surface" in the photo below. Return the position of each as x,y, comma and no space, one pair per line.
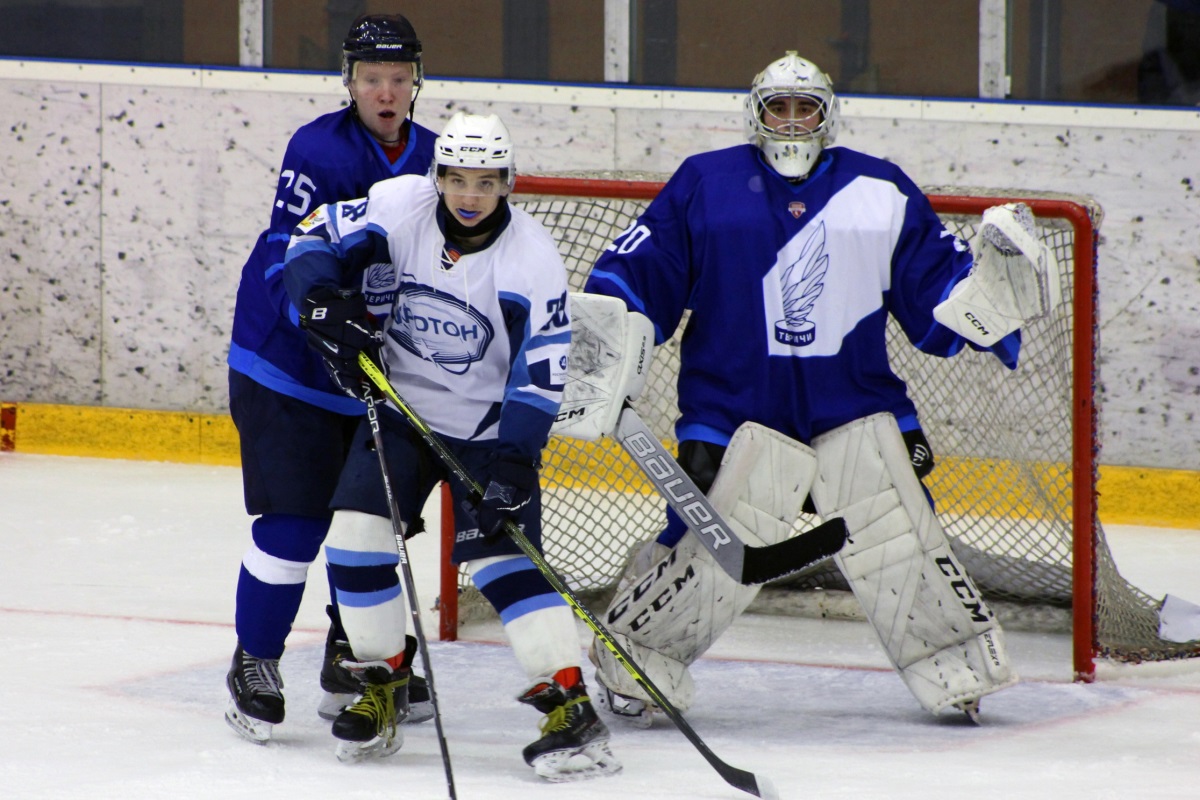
116,608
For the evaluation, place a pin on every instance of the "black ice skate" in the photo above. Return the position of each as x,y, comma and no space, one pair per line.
574,742
255,696
367,727
420,704
340,685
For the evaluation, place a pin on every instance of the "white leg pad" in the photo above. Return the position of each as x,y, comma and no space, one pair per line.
675,603
544,640
934,625
375,632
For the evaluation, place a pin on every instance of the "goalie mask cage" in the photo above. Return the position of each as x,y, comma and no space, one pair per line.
1016,452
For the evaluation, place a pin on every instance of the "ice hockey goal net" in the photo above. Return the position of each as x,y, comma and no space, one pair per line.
1015,482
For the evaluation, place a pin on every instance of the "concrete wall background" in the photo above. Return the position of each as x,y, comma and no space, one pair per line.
132,195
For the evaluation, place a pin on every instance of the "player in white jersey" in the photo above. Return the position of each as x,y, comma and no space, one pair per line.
466,297
791,256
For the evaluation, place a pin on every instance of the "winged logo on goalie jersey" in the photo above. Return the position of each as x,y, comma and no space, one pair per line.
801,284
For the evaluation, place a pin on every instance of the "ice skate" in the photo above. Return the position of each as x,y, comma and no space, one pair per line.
630,710
255,696
420,703
367,727
574,742
339,684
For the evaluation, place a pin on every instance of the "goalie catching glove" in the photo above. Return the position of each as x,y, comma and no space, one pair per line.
510,486
339,328
1014,279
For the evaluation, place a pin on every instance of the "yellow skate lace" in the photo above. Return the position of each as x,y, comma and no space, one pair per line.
556,720
378,703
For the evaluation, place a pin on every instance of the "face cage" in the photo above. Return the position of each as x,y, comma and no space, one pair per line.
794,131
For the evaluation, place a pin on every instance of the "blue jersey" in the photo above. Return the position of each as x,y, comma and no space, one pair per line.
789,288
331,158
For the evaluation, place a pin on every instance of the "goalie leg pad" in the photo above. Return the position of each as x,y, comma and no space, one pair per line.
669,614
934,625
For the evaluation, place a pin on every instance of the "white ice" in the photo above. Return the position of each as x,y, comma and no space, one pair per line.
116,607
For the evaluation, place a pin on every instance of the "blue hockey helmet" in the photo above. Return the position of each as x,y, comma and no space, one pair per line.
382,38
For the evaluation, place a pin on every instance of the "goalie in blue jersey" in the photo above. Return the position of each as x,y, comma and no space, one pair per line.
790,255
294,424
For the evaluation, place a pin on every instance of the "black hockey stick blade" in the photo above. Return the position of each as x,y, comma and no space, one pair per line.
748,782
763,564
746,564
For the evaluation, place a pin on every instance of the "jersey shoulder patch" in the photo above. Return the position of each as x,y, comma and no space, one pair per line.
313,220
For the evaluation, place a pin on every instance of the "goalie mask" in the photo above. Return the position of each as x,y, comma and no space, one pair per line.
474,141
791,114
382,38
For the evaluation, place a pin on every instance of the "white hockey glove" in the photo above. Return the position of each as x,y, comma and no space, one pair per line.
1014,279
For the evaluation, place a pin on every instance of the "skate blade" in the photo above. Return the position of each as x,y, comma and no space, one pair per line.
379,747
249,728
419,712
333,704
593,760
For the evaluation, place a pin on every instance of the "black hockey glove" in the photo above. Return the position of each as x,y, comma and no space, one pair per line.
339,328
511,483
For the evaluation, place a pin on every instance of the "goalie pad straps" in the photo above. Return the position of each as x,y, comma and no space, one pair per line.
611,350
935,627
1014,279
673,604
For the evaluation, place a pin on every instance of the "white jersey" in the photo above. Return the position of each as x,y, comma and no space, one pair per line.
477,341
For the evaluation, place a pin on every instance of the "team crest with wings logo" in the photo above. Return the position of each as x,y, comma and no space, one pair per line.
802,282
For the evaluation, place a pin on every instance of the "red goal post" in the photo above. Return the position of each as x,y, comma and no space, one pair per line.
1017,452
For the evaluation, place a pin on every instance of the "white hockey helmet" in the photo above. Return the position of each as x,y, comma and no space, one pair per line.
791,149
475,141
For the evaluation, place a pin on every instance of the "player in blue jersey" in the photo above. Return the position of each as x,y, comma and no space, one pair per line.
790,255
293,422
477,334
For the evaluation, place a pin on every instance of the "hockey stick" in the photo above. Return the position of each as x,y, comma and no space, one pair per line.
744,563
748,782
409,585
